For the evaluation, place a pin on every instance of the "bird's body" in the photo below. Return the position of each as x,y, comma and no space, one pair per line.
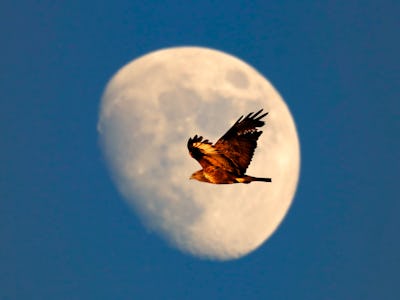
226,161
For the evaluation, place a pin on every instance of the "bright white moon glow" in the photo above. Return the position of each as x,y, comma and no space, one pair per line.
149,110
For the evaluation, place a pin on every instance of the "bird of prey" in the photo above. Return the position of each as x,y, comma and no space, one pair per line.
226,161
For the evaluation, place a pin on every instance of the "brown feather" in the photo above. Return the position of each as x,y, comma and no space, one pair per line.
240,141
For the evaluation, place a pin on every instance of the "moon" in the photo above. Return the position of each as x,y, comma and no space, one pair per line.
150,108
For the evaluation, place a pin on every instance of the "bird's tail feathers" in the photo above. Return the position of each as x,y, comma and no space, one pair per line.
248,179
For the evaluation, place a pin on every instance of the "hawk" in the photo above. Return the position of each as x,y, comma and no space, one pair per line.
226,161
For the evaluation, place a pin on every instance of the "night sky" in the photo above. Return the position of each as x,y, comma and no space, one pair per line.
65,231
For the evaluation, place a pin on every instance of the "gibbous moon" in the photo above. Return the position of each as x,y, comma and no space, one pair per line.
149,110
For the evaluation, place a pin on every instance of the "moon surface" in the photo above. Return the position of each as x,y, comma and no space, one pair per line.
148,111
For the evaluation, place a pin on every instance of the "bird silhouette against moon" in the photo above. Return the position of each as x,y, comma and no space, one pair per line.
226,161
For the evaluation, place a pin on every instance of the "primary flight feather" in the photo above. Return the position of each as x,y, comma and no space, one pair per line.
226,161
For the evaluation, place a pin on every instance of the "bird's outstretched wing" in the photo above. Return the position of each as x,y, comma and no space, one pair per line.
239,142
206,154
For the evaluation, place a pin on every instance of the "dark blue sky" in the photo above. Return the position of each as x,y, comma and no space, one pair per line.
65,233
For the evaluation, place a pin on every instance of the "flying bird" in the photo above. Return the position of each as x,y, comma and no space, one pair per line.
226,161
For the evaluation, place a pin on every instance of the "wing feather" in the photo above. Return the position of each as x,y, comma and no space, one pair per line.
239,142
206,154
